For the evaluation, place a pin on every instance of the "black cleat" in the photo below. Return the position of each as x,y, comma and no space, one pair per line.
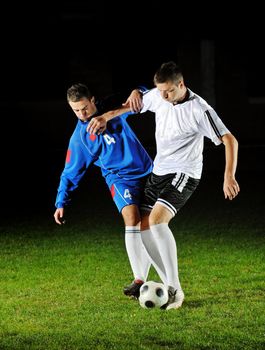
133,290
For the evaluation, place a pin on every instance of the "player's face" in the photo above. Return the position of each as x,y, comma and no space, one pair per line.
170,91
83,109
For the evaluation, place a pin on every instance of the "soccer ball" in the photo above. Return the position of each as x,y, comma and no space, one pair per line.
153,294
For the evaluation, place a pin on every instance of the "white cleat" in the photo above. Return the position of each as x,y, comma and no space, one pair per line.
175,299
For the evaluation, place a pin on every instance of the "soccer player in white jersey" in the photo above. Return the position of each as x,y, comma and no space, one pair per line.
183,119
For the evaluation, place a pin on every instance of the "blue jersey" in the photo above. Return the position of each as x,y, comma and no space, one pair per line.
117,151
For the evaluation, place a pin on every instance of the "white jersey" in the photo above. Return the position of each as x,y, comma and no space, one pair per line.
180,131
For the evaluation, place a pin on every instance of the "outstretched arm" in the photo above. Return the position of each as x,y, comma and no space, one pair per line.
99,124
230,187
133,103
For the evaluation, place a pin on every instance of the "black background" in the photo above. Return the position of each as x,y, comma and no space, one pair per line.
48,46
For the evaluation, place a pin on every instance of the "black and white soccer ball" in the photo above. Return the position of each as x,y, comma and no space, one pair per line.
153,294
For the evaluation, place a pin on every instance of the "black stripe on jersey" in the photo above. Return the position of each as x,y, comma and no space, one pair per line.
212,124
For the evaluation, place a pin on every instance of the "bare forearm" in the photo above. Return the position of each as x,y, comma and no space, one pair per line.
99,124
230,187
231,155
115,113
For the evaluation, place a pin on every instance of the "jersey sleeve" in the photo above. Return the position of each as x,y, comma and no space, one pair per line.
211,126
150,100
76,163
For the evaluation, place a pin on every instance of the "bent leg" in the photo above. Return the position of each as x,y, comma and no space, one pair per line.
159,220
138,257
151,247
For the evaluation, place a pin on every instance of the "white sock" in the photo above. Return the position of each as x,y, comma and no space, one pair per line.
138,257
168,252
152,249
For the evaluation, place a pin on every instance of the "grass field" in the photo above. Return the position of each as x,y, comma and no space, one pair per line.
61,287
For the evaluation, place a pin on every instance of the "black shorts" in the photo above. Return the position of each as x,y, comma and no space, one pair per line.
171,191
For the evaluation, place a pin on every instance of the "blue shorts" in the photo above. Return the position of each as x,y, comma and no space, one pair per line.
126,192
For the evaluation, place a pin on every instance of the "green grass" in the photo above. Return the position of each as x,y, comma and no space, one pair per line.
61,287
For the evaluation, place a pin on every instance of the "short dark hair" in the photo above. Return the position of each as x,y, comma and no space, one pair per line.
78,91
168,71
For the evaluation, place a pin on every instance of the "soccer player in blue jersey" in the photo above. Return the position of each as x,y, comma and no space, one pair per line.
183,119
124,164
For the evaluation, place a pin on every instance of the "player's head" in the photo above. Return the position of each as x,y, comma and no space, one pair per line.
169,81
82,101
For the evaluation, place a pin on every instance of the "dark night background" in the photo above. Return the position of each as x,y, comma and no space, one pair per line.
48,46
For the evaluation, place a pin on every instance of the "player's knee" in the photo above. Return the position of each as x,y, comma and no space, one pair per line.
131,216
160,215
144,226
145,221
155,219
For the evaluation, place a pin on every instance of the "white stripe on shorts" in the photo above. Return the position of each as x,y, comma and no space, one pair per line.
180,181
167,205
